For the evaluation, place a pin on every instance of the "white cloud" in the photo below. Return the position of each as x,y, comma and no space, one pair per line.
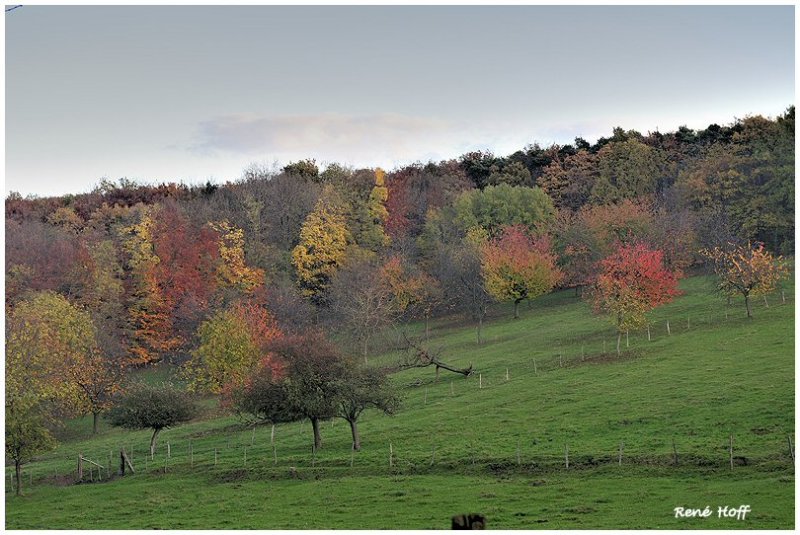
330,136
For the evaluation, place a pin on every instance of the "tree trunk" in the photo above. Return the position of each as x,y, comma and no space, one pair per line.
18,476
364,349
317,436
356,437
153,442
619,339
516,309
747,305
480,326
94,422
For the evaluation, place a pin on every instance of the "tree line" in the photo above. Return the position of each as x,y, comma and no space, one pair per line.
241,284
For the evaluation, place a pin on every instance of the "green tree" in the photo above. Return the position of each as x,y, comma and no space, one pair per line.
155,407
626,170
499,206
363,388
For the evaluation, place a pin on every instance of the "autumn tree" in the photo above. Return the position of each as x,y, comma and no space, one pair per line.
264,396
518,267
149,314
232,270
323,242
414,293
747,270
632,281
155,407
97,378
232,343
569,181
373,233
364,388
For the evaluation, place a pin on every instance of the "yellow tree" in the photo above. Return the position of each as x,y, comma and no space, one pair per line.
233,343
374,235
746,270
323,243
233,271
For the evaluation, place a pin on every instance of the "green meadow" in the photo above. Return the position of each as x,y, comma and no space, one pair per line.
700,416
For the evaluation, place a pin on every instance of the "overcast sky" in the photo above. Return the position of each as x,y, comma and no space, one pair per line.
197,93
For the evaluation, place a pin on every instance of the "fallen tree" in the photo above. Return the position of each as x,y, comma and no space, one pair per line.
419,356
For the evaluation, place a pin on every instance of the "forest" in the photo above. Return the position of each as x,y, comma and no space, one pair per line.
274,290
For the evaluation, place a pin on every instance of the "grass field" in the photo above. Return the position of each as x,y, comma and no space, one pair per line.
484,443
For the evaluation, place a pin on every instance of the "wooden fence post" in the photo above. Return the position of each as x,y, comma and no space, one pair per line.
506,374
169,451
391,455
566,454
534,367
731,451
648,333
621,447
480,380
674,452
274,450
80,467
791,448
668,331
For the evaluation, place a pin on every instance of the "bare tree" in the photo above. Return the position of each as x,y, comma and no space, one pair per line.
362,303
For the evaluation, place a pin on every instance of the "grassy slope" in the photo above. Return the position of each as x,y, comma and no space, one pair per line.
712,378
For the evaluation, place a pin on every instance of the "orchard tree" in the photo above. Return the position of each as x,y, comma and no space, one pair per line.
315,371
363,388
518,267
97,378
264,396
26,436
746,270
152,407
632,281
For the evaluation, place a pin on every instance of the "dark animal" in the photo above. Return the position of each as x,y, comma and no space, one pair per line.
471,521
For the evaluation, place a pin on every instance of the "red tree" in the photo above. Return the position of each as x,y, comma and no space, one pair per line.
633,281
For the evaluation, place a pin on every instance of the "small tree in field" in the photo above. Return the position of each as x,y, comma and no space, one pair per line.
26,436
746,270
518,267
152,407
315,370
363,388
633,281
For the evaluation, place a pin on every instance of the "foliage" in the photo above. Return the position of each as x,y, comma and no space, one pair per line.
321,251
503,205
633,281
45,336
26,437
365,388
626,170
232,343
517,267
153,407
746,270
232,271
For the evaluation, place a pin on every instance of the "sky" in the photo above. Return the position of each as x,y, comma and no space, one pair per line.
196,93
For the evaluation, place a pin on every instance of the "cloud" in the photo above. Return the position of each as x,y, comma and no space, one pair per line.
330,136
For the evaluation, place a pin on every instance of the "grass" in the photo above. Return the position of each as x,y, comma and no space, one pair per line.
499,449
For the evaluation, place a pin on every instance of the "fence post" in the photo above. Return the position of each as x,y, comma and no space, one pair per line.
566,454
648,333
506,374
731,451
391,455
534,367
519,458
169,451
480,380
674,452
668,331
791,448
80,467
274,449
621,447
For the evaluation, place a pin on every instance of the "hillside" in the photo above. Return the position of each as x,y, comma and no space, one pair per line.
486,443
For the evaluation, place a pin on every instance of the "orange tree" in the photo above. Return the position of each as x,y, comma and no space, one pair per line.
518,267
746,270
632,281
